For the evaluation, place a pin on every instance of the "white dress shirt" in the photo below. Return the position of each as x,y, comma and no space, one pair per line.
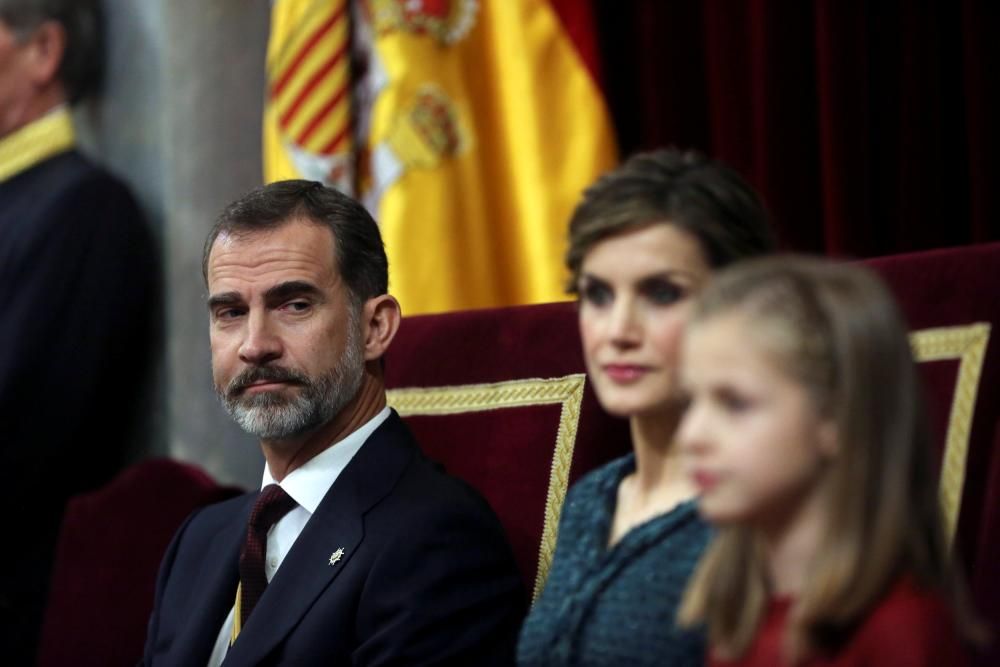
307,486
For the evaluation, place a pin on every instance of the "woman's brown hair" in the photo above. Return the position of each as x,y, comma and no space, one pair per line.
682,188
836,329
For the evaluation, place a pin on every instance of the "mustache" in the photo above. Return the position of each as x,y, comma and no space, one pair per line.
264,374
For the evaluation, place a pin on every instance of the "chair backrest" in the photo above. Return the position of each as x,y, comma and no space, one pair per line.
951,298
500,397
110,546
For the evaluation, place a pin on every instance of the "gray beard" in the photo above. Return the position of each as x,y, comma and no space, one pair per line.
272,416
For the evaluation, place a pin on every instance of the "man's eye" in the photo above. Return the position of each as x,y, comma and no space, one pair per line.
297,306
228,313
596,294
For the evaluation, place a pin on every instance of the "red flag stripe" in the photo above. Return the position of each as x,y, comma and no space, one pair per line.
319,115
286,118
332,147
304,51
580,24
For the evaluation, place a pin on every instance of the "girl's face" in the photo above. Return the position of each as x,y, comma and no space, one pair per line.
754,443
634,290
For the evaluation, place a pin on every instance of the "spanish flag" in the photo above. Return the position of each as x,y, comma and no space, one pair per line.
468,127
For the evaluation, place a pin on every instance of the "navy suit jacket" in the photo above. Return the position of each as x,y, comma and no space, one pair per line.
79,338
427,576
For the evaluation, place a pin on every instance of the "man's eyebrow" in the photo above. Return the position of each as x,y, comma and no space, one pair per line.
290,289
224,299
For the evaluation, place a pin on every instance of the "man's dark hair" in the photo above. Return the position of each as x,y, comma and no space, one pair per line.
358,247
83,60
682,188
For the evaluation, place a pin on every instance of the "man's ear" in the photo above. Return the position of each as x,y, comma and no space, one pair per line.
381,316
48,45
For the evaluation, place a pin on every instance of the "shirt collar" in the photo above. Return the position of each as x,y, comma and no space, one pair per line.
35,142
309,483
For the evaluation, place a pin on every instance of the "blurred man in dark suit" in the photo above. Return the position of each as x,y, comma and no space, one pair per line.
79,300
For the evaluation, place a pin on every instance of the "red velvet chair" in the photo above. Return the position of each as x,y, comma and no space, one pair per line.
110,546
951,299
500,397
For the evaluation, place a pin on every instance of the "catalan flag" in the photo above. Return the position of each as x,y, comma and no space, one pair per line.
474,126
307,119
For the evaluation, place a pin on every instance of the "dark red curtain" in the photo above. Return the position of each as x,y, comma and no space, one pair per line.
870,127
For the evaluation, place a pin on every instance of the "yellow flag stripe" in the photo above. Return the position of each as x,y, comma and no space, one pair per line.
342,143
295,25
281,76
321,75
334,123
331,91
321,114
292,24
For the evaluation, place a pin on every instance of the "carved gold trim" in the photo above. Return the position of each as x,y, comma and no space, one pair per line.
967,343
566,391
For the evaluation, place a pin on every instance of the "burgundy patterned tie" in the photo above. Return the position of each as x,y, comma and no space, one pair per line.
272,504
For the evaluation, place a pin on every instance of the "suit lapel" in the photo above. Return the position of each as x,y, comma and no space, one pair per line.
216,585
338,523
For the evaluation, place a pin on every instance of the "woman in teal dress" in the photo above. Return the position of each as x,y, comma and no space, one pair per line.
645,238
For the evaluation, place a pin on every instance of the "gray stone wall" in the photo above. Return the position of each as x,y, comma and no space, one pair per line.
179,119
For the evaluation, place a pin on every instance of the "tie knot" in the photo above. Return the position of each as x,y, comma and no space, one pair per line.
272,504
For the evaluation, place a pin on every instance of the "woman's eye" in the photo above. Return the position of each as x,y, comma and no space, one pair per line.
596,294
663,292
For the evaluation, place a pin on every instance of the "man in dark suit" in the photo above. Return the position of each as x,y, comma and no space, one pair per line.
79,301
376,557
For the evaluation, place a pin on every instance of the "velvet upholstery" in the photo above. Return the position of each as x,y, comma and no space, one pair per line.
110,546
513,462
947,288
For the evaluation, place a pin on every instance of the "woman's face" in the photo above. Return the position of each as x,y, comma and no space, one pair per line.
634,293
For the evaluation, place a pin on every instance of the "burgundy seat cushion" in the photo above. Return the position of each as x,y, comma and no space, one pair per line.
110,546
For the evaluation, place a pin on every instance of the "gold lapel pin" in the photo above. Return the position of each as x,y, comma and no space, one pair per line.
336,556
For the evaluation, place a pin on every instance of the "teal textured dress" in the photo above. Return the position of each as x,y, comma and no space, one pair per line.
615,606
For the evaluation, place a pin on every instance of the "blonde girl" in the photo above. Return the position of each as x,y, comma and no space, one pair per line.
806,439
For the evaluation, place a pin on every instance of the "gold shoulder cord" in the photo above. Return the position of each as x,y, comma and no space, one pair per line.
35,142
237,620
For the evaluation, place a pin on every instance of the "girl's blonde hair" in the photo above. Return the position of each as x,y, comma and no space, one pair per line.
835,328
